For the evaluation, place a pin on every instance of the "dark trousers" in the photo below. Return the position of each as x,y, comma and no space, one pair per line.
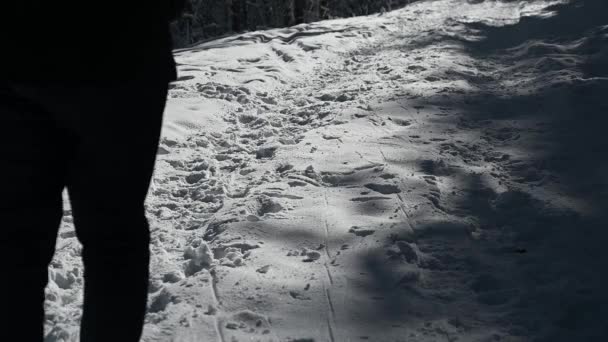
100,142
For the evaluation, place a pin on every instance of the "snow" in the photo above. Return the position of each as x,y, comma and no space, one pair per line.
433,173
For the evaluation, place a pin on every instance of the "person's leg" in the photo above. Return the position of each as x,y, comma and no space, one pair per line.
31,181
118,129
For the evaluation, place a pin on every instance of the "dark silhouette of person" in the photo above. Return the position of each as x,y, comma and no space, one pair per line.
83,86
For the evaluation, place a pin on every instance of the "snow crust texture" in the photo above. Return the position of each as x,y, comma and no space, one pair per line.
435,173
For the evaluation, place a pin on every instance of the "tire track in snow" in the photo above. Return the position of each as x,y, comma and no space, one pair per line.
401,201
216,301
326,244
331,319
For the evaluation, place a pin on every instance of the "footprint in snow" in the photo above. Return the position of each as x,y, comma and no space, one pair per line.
385,189
311,255
263,269
361,231
298,295
369,198
249,321
400,122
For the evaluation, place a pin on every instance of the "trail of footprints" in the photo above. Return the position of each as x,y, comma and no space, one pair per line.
194,196
196,202
199,198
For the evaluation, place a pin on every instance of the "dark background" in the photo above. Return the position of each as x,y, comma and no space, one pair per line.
213,18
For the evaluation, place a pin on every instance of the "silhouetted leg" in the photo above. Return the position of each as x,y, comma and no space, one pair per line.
31,182
118,130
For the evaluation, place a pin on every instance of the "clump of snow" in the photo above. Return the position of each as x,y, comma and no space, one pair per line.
198,256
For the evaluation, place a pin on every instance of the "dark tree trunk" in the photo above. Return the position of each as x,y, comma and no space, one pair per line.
299,11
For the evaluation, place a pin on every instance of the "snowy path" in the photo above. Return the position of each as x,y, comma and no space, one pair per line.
333,182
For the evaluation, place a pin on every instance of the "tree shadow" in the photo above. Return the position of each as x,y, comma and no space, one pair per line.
567,21
548,259
375,298
555,256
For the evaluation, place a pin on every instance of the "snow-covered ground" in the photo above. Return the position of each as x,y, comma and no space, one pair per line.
436,173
